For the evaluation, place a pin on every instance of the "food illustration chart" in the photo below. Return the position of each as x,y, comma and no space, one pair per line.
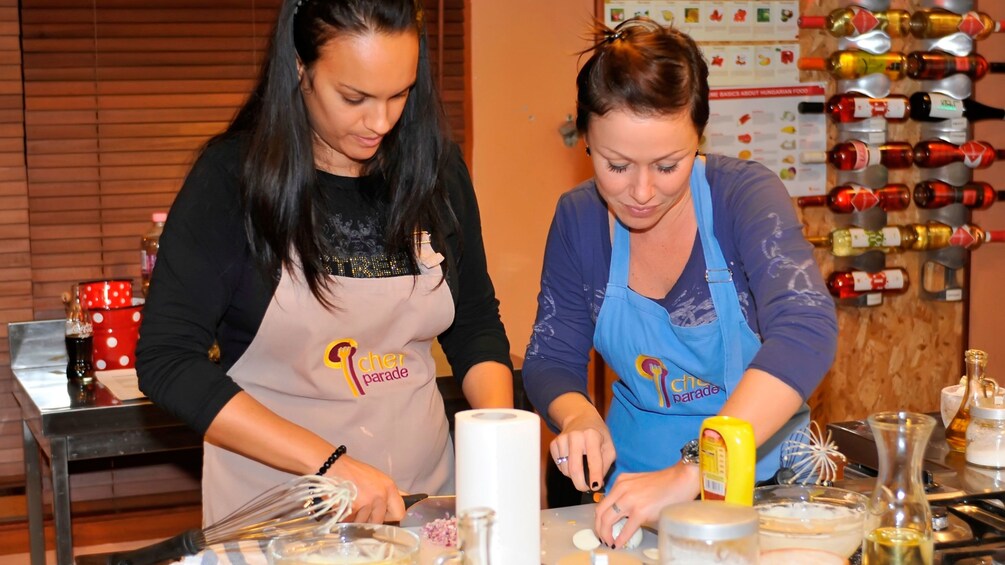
744,42
714,20
763,124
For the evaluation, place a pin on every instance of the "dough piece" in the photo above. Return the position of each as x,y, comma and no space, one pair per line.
633,541
585,539
651,553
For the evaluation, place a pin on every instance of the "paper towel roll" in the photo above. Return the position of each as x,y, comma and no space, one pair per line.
498,465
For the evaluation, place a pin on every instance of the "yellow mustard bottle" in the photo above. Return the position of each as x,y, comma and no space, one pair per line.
727,455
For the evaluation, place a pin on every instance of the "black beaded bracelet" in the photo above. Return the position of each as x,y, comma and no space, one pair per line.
339,452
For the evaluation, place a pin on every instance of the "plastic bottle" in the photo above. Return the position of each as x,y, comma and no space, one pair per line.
727,455
149,244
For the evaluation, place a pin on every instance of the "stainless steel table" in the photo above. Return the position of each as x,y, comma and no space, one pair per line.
65,422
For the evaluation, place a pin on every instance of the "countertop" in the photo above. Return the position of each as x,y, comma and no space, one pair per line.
559,524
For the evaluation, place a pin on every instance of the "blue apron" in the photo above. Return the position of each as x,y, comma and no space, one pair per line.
671,377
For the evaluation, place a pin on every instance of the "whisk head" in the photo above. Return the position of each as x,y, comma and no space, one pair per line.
303,505
811,456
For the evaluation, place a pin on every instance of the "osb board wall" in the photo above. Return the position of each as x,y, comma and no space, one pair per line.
899,355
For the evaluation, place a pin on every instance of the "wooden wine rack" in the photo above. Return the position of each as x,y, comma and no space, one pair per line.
899,355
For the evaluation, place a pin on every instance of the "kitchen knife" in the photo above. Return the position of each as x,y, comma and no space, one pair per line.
420,509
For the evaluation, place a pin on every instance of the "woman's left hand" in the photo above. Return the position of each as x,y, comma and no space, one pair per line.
641,497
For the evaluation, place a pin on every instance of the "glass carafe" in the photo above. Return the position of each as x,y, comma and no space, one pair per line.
474,530
899,519
976,389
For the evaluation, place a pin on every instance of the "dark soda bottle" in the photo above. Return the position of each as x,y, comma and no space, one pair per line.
79,335
80,352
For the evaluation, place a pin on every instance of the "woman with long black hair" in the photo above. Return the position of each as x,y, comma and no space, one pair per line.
324,240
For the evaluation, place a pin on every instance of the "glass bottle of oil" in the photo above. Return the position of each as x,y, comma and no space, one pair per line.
899,518
975,390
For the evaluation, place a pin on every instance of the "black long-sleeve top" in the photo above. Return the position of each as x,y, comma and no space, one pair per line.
207,286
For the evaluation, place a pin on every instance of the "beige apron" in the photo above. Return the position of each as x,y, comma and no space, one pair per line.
361,375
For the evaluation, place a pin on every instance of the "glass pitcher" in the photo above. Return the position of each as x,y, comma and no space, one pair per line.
474,529
899,519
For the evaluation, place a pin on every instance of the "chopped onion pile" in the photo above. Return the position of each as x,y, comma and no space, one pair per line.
442,531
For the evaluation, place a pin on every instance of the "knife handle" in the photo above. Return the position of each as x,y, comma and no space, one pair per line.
411,499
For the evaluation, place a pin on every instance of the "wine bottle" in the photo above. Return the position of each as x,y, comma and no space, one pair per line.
976,195
938,22
936,235
970,236
934,107
852,284
855,155
937,153
849,198
845,65
844,108
929,65
854,20
847,242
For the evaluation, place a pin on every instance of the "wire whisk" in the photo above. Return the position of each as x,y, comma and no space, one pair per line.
303,506
811,456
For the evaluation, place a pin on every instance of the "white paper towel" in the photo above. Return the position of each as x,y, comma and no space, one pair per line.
498,466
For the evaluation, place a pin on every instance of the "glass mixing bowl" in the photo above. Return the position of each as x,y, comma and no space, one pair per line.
349,543
810,517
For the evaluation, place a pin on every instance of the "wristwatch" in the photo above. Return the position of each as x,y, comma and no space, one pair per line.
689,453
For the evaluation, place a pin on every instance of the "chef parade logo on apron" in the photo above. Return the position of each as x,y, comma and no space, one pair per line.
684,389
364,370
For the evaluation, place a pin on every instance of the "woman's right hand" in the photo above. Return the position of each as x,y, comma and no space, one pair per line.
377,497
584,433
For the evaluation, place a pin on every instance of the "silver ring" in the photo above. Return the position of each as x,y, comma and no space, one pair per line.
561,460
615,508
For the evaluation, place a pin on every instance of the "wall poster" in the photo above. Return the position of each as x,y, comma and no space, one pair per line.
751,48
763,124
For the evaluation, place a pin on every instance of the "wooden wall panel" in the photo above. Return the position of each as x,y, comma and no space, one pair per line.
899,355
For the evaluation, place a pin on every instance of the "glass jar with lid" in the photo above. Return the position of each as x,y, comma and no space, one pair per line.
986,436
708,532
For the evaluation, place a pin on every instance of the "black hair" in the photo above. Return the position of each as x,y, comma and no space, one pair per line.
280,192
644,67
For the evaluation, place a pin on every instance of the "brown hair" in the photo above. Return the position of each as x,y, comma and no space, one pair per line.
646,68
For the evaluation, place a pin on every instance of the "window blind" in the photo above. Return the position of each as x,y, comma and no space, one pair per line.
15,257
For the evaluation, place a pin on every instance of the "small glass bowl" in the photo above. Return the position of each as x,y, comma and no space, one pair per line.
810,517
348,543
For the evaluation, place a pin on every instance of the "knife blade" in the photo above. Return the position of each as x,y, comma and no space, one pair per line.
420,509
